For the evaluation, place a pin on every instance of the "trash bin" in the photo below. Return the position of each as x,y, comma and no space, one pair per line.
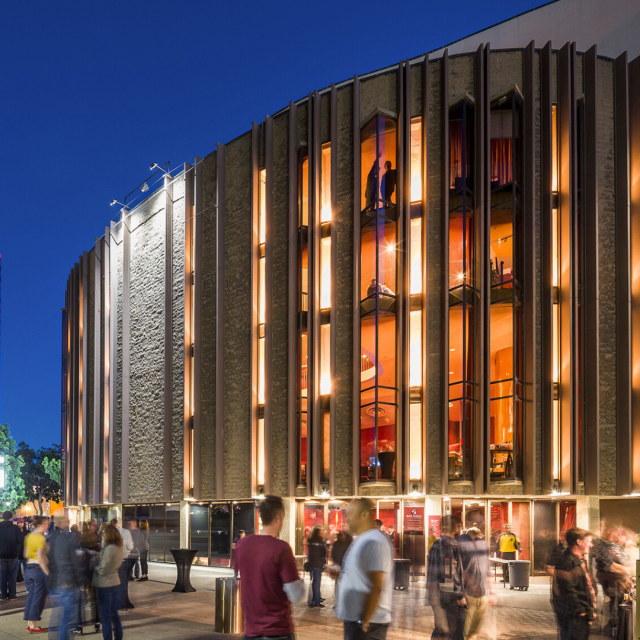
625,621
519,574
228,608
402,573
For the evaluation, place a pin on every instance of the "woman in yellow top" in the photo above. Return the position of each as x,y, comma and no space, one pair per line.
37,572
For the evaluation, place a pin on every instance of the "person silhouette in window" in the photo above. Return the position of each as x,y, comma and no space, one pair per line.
388,183
371,189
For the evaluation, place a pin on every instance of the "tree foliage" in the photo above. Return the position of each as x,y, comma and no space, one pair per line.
41,474
13,495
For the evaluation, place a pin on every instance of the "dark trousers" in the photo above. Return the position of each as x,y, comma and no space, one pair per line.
316,577
108,603
507,555
122,589
289,636
455,614
64,613
376,631
574,628
36,580
8,577
144,564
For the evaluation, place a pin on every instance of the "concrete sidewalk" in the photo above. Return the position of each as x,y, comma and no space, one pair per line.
160,614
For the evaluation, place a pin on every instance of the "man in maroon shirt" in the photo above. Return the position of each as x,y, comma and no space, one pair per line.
269,575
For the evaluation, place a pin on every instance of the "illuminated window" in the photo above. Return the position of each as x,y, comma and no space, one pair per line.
415,315
462,294
505,320
378,287
556,317
303,308
261,319
325,191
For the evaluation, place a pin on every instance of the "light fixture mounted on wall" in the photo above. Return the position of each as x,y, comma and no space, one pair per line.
155,165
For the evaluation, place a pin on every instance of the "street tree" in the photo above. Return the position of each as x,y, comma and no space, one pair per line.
41,474
12,494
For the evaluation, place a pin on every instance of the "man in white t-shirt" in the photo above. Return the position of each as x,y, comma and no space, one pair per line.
364,588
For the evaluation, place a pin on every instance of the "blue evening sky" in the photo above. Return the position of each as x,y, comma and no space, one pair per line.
93,92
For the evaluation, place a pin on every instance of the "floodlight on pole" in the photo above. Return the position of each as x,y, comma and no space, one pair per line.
155,165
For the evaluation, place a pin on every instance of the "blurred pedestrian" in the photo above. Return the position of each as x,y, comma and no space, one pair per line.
269,575
445,586
127,545
144,549
10,545
474,556
364,580
573,587
64,577
22,566
135,553
37,572
107,582
340,546
317,559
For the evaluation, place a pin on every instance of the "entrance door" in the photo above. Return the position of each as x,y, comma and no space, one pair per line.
389,513
521,526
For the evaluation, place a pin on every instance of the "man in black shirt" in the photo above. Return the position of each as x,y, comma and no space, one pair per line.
388,182
574,595
10,542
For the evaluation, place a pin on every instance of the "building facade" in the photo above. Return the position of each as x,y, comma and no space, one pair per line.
416,285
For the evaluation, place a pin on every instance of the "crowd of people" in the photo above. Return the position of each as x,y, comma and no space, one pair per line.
84,572
89,569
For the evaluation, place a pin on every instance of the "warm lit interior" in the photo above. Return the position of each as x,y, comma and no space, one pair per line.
261,320
461,294
325,179
416,159
325,273
556,316
378,288
505,334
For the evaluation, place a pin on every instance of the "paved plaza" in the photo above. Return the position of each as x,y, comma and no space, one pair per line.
160,614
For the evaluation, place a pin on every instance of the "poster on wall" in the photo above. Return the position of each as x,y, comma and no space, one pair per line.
414,520
435,523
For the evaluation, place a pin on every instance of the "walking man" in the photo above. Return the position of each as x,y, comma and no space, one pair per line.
10,543
445,586
270,580
364,587
474,556
574,595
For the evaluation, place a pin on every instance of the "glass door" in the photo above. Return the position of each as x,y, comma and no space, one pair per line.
521,526
389,513
475,515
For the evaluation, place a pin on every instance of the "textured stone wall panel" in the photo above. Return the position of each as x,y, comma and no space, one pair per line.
607,275
344,296
117,255
379,92
208,274
177,356
238,320
461,77
147,299
279,382
506,72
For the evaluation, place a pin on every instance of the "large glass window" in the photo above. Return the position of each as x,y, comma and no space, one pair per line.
378,288
199,527
505,320
462,293
262,265
303,308
556,317
415,304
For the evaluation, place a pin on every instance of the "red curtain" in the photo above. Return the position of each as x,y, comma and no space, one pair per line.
501,160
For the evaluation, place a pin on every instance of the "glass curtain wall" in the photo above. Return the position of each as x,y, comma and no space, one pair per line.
555,231
505,323
378,303
303,308
164,527
579,283
215,528
415,304
463,292
325,308
262,262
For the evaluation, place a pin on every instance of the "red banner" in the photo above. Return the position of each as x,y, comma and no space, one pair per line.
414,520
435,526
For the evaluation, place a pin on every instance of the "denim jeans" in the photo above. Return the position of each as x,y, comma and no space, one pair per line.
36,581
108,603
8,577
121,601
316,577
64,611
